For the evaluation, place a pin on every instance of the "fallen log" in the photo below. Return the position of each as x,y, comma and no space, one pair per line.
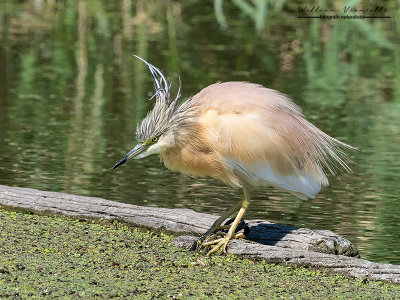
272,242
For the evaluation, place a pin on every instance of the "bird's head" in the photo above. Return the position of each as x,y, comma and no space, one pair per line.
155,134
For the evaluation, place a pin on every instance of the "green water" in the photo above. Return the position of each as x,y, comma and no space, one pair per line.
71,94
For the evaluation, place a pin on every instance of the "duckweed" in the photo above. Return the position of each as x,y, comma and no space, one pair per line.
55,256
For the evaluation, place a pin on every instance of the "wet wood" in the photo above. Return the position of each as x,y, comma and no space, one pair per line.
272,242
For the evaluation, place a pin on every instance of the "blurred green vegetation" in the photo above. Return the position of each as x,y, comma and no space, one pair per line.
71,94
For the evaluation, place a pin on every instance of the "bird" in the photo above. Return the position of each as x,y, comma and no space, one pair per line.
243,134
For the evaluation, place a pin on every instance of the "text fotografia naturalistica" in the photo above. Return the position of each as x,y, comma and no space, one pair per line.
347,12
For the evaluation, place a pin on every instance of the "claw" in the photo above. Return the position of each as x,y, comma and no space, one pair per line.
221,242
234,225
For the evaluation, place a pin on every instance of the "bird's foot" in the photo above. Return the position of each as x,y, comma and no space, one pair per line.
198,244
220,241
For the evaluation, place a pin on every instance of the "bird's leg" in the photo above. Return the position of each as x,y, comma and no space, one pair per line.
216,226
224,242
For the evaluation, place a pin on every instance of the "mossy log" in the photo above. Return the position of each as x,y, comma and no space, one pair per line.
272,242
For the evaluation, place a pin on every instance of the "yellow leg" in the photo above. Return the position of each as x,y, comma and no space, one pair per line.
241,206
229,235
216,226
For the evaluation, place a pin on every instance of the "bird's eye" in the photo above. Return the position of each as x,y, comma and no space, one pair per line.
154,139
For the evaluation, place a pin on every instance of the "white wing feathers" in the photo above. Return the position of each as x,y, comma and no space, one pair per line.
261,174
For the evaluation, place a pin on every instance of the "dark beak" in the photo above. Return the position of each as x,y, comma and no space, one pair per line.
139,148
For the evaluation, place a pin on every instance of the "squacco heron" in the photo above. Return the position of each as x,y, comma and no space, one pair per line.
241,133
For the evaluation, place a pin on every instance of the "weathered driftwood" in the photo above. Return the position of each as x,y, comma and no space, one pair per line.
273,242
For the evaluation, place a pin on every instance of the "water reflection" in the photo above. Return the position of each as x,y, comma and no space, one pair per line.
72,94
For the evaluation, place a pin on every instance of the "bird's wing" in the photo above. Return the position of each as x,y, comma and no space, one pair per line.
256,153
261,174
263,135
